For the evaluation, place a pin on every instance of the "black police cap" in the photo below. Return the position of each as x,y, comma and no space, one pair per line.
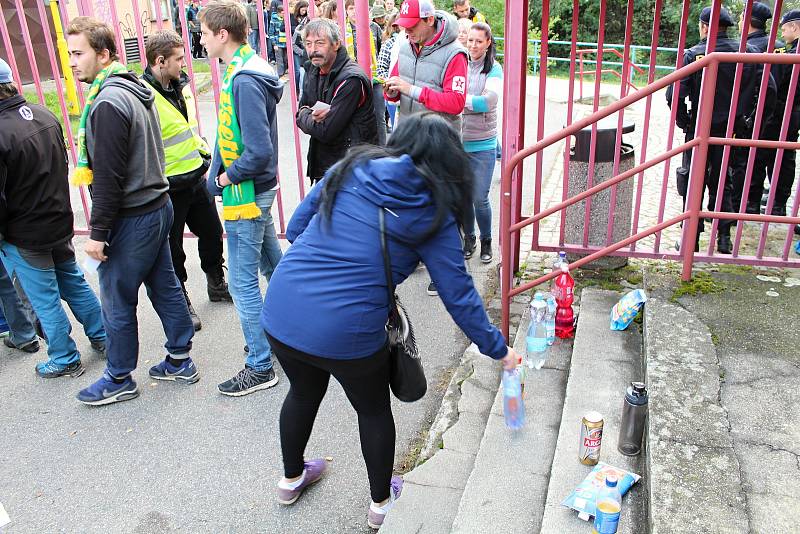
790,16
761,12
725,18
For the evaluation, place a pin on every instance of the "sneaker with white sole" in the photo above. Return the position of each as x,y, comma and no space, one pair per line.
185,372
376,513
107,391
248,381
288,492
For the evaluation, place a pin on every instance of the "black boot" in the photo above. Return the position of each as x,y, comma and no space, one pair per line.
217,288
486,250
724,243
195,319
469,246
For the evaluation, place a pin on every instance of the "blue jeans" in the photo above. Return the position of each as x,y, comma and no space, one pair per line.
22,330
253,246
47,277
138,253
254,41
483,167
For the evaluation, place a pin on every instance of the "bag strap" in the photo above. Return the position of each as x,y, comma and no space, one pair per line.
387,269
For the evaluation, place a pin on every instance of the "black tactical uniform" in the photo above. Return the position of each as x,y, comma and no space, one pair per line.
686,118
765,163
764,157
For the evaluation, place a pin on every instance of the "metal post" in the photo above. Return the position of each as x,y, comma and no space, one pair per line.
513,138
363,36
287,20
63,56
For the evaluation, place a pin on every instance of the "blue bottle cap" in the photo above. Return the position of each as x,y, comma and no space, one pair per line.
611,481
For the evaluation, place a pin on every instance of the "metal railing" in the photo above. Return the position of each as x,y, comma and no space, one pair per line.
110,13
513,223
636,52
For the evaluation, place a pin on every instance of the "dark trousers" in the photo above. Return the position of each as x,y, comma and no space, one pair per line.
380,111
281,65
195,208
365,382
711,180
138,253
197,48
765,165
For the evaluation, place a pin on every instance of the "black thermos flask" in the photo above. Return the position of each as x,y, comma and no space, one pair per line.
634,414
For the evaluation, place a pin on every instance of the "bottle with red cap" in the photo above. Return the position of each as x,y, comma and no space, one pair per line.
563,289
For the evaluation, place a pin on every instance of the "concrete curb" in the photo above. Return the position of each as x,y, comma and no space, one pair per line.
433,489
508,484
603,364
693,473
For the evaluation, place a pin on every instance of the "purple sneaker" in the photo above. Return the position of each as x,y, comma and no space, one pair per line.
377,513
314,469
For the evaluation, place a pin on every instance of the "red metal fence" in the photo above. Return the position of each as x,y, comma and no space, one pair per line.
655,211
43,15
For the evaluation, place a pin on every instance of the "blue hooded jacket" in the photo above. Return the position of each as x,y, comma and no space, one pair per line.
256,92
328,295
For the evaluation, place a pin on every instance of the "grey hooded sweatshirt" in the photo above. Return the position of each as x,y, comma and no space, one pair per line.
126,154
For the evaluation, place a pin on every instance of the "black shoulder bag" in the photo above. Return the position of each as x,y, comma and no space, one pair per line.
406,376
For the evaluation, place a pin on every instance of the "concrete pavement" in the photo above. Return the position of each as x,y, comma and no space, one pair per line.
187,459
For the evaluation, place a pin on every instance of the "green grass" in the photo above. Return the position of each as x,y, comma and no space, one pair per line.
701,283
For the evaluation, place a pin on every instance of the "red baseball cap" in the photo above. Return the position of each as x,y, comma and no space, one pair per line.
412,11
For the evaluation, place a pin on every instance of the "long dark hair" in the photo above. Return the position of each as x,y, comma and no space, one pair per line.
488,59
298,6
435,147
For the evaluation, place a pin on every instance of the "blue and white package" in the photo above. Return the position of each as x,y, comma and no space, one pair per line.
624,311
582,499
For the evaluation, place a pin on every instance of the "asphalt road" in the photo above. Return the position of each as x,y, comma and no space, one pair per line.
185,458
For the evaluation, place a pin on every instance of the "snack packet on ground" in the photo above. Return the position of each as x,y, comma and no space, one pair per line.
582,499
624,311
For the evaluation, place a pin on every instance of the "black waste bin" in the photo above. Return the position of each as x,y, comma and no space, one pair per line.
603,170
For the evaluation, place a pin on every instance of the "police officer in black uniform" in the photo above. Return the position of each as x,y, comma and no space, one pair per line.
790,30
686,118
757,41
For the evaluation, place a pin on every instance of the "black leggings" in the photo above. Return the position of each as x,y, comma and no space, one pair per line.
365,382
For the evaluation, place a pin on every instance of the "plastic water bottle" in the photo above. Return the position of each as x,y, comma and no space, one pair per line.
564,287
609,505
550,318
513,406
536,339
560,260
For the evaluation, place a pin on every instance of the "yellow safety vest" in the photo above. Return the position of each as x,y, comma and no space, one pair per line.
183,146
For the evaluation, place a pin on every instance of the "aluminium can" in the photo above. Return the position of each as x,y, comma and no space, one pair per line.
591,438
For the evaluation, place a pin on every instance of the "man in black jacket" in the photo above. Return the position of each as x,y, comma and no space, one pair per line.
346,115
36,226
187,158
131,216
689,89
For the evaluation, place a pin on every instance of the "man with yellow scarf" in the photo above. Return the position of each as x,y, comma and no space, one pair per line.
244,171
122,157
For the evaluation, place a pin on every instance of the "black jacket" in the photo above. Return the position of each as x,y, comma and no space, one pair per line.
351,119
783,78
174,95
748,93
35,211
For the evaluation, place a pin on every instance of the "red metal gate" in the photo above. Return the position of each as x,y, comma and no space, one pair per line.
650,223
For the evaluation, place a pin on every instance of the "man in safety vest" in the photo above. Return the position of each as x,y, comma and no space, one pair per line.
187,158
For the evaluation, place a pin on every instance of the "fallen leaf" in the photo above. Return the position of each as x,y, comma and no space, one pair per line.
329,458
